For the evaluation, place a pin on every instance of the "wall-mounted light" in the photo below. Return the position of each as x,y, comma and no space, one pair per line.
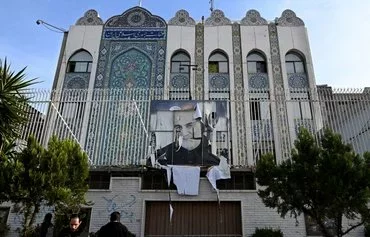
51,27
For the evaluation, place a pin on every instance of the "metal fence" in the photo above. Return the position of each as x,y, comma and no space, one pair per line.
114,126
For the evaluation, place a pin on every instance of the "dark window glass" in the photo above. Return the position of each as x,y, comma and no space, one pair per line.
79,66
99,180
261,67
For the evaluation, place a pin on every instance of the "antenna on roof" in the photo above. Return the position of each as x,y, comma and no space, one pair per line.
212,7
140,1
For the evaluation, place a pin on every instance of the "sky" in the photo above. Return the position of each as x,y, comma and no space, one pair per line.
338,30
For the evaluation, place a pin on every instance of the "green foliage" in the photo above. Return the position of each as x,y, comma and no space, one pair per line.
13,104
12,101
4,228
367,230
9,168
324,181
267,232
53,176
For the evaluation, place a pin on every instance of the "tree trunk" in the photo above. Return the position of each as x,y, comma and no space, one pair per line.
29,219
36,210
339,226
324,230
26,215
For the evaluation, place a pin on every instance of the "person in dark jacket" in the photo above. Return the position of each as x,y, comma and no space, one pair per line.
114,228
46,227
73,230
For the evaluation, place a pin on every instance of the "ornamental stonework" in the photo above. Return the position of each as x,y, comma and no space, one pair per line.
76,80
289,18
281,110
217,18
182,18
199,61
253,18
90,17
239,95
136,17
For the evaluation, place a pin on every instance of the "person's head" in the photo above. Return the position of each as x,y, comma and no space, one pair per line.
115,216
74,222
48,217
188,127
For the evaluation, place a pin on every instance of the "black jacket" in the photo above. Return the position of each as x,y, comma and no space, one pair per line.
201,155
66,232
114,229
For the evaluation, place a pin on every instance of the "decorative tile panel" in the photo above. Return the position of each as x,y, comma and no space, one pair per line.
154,51
134,34
117,127
76,80
199,60
282,121
131,63
219,81
253,18
180,81
90,17
217,18
289,18
131,69
297,80
258,81
182,18
136,17
239,95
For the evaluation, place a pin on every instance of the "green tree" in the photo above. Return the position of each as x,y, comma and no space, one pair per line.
12,101
324,180
12,115
54,176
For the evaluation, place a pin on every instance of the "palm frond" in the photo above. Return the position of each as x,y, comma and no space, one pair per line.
13,100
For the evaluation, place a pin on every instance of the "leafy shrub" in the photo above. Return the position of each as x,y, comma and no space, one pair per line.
367,229
4,228
267,232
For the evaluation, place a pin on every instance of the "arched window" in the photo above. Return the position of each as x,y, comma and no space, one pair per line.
256,63
294,63
218,63
180,76
80,62
299,89
180,63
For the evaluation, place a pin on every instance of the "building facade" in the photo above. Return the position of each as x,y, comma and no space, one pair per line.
124,85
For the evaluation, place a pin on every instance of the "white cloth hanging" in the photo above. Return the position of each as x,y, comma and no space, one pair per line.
186,179
221,171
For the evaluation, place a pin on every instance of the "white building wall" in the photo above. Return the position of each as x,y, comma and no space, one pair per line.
180,37
126,197
295,38
257,38
220,38
87,38
81,37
